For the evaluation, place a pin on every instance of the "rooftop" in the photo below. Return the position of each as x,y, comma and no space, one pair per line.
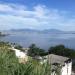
52,58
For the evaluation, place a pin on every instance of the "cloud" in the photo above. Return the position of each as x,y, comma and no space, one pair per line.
40,17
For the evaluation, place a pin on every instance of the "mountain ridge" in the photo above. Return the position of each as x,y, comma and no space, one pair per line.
42,31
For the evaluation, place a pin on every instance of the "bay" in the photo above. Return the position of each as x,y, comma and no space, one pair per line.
44,41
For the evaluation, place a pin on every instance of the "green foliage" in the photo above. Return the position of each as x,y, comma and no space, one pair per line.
18,47
42,69
9,64
63,51
34,50
4,44
8,61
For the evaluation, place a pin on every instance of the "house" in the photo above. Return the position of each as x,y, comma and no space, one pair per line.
61,63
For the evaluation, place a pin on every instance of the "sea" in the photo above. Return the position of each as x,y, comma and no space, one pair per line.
42,40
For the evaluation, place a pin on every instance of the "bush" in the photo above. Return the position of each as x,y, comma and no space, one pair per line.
34,51
63,51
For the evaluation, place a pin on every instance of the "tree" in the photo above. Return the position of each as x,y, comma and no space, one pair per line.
33,51
18,47
63,51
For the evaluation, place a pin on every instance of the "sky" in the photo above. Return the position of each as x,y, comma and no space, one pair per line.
37,14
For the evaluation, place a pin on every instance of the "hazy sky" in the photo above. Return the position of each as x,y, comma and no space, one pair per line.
37,14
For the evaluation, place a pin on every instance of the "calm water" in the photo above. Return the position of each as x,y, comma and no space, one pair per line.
41,40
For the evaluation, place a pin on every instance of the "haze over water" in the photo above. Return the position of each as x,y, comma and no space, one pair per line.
41,40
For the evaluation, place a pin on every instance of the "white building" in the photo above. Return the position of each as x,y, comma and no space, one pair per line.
60,63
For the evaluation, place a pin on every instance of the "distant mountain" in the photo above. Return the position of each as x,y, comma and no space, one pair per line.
25,30
70,32
51,31
22,30
38,31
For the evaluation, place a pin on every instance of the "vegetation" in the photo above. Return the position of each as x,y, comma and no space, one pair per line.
19,47
58,50
9,64
4,44
63,51
35,51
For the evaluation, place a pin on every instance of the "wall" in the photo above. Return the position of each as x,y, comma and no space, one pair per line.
66,69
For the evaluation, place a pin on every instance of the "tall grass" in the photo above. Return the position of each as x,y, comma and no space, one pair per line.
9,65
